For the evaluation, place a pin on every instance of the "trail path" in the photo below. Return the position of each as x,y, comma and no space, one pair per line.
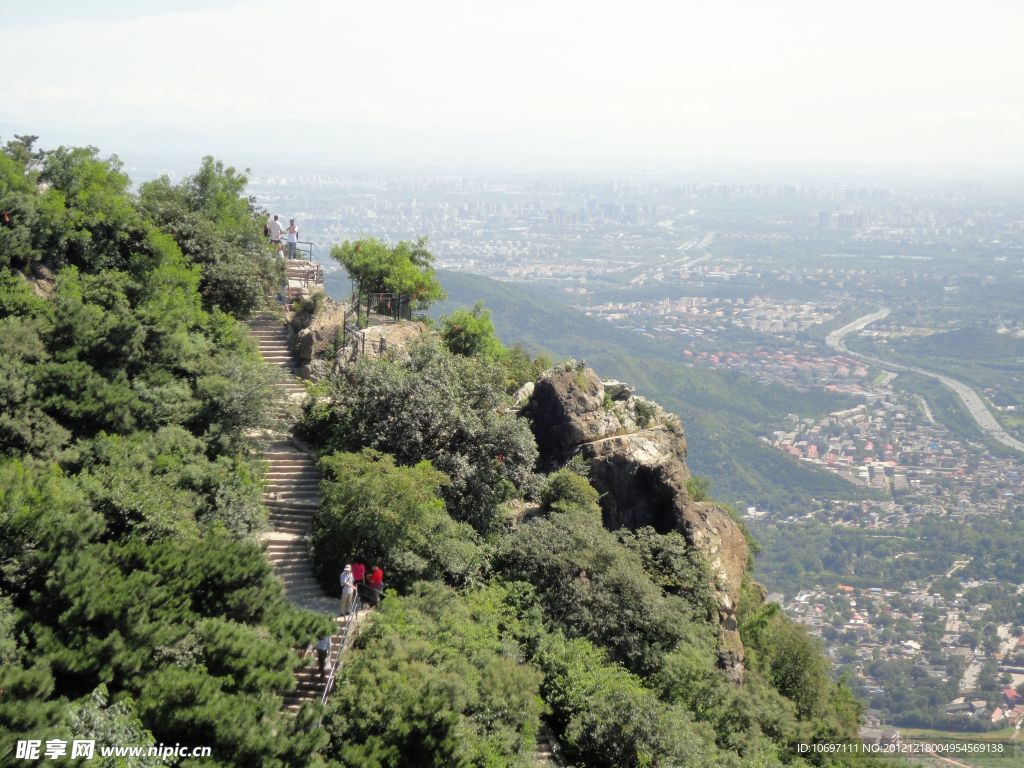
292,494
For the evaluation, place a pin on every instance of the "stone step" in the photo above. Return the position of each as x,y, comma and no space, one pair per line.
291,561
291,572
307,593
294,487
289,453
299,557
300,522
285,526
291,521
284,560
296,567
286,506
308,500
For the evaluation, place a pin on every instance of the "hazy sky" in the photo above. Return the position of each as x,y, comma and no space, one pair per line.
898,83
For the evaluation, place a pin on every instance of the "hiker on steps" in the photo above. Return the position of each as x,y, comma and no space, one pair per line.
348,590
323,650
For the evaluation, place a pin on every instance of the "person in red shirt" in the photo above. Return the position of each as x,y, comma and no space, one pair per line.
376,580
358,572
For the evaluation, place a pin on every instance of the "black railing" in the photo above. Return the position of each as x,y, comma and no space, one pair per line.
303,250
335,663
368,309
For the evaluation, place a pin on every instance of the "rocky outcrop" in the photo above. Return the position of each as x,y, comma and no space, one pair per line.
636,452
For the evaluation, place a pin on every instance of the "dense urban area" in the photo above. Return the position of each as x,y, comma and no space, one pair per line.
912,576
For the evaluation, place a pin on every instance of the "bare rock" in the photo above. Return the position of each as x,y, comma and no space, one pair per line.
523,395
304,341
391,338
567,410
617,390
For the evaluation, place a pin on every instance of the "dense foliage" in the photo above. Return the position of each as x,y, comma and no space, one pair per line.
621,626
135,603
590,585
390,516
218,228
439,407
439,679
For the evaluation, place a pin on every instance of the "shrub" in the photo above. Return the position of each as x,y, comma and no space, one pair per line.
470,332
645,412
386,515
437,679
590,586
607,718
566,489
438,407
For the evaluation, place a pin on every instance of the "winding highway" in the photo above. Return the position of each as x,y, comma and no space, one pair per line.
974,404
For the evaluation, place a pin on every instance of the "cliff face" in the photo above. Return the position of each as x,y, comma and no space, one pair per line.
637,457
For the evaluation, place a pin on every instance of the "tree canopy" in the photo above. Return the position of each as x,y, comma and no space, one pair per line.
376,267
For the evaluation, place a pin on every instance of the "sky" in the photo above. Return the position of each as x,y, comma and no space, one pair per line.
899,84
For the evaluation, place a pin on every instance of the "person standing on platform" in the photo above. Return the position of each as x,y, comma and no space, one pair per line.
274,230
375,581
292,237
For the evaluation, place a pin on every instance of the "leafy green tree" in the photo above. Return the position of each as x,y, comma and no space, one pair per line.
111,724
387,515
435,406
606,717
42,513
377,267
471,332
217,227
590,586
436,680
566,490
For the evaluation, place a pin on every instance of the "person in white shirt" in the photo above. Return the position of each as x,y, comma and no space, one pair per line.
348,590
275,229
293,238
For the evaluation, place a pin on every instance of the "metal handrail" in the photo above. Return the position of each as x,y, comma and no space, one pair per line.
336,663
308,248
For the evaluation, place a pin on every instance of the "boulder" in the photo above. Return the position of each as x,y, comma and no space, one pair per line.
523,395
304,341
567,410
618,390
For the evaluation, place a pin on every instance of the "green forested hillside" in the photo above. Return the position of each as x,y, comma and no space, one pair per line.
722,412
136,604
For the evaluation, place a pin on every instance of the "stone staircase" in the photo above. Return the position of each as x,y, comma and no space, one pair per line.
292,495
